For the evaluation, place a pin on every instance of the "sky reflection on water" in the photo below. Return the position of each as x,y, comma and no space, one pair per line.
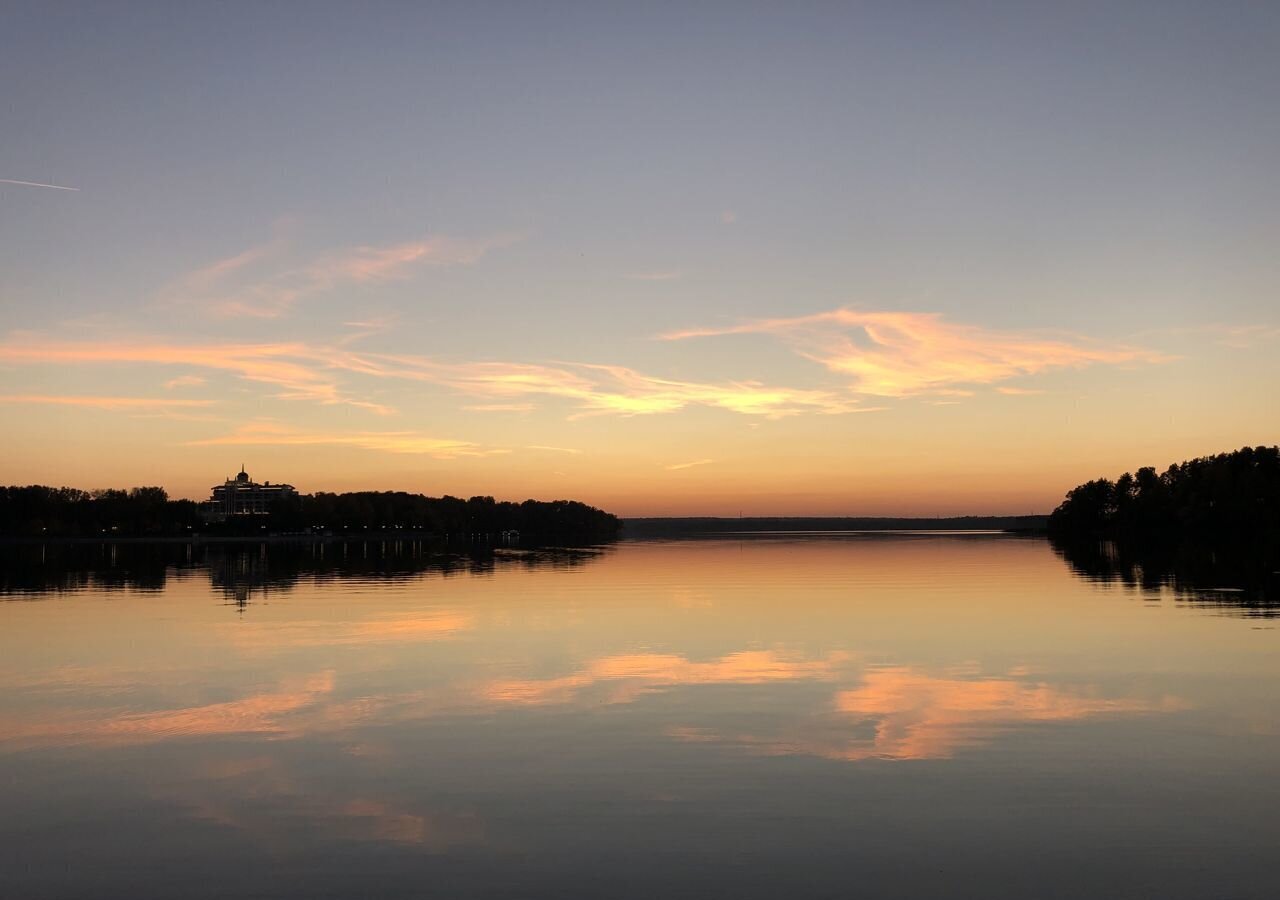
746,716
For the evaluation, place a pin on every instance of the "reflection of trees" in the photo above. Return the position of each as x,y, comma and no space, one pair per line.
27,569
1238,578
242,571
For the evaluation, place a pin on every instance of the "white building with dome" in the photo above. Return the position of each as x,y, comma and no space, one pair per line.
241,496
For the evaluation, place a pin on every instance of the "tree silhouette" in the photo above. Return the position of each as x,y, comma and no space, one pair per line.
1227,494
36,510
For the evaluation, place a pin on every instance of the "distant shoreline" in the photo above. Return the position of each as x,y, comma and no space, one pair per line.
632,529
650,527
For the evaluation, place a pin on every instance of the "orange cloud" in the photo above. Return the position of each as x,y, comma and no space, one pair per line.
296,368
271,434
307,372
897,354
598,389
108,403
184,381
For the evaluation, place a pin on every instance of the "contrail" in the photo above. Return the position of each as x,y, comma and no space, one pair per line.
56,187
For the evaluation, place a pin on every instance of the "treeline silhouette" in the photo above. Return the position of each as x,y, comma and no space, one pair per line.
40,511
1235,493
36,510
377,510
1209,528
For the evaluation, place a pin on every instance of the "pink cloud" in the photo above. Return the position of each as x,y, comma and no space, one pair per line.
257,283
897,354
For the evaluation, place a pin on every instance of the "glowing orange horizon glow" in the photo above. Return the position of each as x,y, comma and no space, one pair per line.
968,418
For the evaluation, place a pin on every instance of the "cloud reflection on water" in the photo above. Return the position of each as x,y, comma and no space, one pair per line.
638,673
914,716
264,713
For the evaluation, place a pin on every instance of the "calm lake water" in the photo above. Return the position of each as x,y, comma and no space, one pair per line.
816,716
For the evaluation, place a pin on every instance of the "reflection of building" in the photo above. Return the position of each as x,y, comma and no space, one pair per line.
242,574
241,497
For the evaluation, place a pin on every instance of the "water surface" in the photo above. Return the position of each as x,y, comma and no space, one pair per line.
828,716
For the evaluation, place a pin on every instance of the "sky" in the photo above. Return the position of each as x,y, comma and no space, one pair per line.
664,258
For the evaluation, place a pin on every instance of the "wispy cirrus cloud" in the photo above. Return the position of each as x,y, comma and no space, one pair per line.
677,467
323,374
900,354
94,401
37,184
601,389
185,381
365,328
260,283
298,370
411,442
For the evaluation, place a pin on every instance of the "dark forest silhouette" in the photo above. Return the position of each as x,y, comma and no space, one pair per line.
1235,493
39,511
1202,527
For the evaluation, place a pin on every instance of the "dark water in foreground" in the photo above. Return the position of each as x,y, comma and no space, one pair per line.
909,716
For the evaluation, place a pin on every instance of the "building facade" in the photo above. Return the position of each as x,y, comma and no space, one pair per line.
241,496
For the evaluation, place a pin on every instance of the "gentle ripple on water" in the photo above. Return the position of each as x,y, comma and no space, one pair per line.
773,715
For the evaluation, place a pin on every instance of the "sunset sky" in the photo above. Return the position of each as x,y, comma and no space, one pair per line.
668,259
